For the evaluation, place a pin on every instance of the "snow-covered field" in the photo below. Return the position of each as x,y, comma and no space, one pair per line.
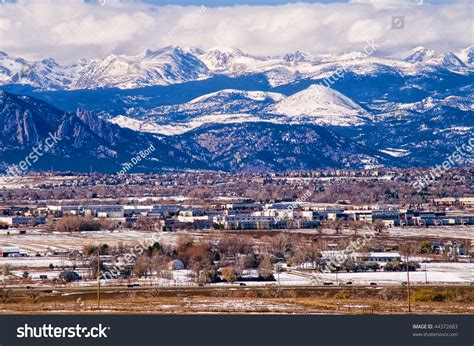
40,241
450,232
436,273
464,232
7,182
35,262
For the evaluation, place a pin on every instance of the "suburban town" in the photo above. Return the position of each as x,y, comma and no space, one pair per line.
364,235
250,172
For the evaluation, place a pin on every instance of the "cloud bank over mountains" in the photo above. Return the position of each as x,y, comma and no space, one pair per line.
68,30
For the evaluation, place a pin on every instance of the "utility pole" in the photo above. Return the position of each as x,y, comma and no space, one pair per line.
98,278
408,284
278,270
426,275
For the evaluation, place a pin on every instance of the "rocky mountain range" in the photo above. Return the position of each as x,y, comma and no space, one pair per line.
172,65
227,110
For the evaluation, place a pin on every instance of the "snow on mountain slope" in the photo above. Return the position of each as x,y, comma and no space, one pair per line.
224,106
162,67
180,127
462,103
300,56
9,67
315,105
172,65
134,124
228,94
395,152
467,56
45,74
432,57
221,102
165,66
398,110
228,60
278,70
298,65
321,105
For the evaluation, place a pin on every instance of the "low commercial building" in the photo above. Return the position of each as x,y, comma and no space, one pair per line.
236,222
384,257
16,221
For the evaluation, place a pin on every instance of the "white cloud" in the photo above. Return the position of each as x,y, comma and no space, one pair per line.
69,30
365,30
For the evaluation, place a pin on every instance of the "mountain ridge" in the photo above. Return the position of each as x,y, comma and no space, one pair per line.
171,65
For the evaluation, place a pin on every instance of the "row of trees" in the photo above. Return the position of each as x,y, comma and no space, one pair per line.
396,266
80,224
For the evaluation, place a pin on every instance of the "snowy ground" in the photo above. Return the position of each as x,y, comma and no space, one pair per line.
17,182
37,240
464,232
35,262
40,241
436,273
451,232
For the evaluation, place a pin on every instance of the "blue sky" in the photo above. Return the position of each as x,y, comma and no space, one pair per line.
216,3
213,3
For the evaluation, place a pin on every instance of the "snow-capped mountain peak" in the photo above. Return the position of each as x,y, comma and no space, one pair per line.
161,67
322,105
229,94
433,57
168,51
298,56
227,60
466,55
172,64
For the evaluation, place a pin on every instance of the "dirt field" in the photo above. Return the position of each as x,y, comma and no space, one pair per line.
258,300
